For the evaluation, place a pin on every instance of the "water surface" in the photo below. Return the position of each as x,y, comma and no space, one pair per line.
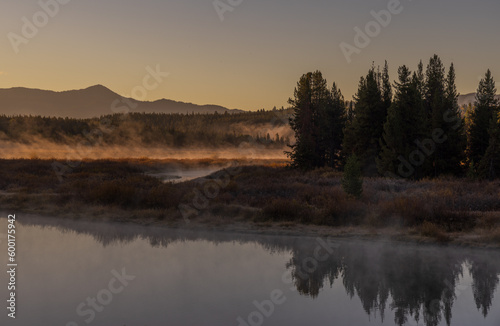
213,278
176,175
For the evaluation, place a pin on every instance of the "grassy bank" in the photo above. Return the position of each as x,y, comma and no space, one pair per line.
261,193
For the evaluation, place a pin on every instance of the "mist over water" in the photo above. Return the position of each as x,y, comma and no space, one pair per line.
212,278
49,150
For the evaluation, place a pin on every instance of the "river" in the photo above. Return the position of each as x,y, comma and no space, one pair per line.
73,273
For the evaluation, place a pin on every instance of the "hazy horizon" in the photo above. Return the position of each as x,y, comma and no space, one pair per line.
160,98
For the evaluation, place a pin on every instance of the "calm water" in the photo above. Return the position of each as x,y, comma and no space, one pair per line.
110,274
176,175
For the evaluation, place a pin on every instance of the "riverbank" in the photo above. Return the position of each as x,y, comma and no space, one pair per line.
256,196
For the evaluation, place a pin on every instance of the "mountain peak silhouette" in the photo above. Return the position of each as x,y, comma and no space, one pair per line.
93,101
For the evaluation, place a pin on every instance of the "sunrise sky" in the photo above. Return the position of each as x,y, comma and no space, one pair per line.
250,60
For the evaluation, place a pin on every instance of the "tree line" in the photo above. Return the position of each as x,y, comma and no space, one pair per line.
153,129
411,128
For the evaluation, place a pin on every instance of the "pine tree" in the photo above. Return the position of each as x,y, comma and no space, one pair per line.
489,166
405,124
421,79
386,88
362,135
303,151
321,103
451,154
435,108
333,127
349,114
352,181
471,171
481,117
318,120
434,90
468,115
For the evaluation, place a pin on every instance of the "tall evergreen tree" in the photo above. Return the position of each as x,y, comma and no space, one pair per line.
481,117
435,108
370,111
333,127
321,104
489,166
434,90
405,124
386,88
421,78
453,150
303,151
446,120
349,113
468,115
318,120
441,103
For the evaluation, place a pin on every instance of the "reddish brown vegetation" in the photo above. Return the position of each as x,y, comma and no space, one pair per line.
260,193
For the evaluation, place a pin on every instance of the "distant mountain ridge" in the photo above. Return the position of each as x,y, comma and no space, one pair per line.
98,100
90,102
466,99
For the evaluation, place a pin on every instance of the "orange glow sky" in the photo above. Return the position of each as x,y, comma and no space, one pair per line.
252,59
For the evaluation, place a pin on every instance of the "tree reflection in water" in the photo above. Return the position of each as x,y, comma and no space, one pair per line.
416,282
422,281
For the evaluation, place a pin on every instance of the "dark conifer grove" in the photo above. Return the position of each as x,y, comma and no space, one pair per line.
411,128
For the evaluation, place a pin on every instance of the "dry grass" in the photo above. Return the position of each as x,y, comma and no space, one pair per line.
268,192
488,220
285,210
495,236
431,230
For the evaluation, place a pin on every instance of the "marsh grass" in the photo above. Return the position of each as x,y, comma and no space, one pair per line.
432,230
495,236
259,193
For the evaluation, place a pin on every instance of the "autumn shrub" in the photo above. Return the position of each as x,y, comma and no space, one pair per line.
432,230
494,236
339,209
488,221
458,220
113,193
285,210
161,196
406,211
342,212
